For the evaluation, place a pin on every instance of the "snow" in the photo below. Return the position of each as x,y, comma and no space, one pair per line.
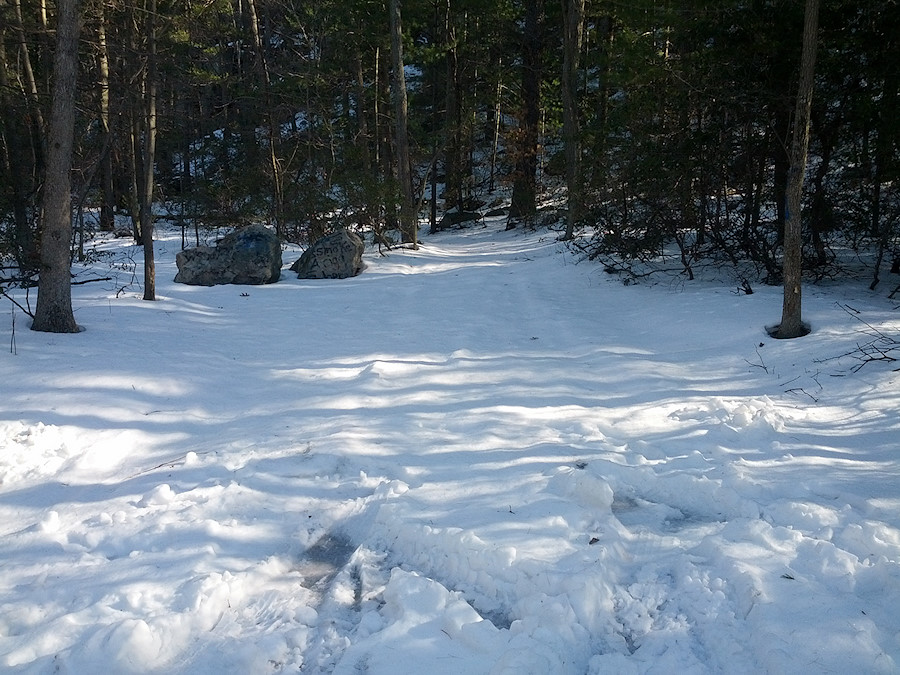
478,457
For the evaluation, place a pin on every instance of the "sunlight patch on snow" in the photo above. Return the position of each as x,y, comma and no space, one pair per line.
28,452
100,382
437,268
491,467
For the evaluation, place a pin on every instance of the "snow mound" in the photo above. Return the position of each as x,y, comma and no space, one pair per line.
31,452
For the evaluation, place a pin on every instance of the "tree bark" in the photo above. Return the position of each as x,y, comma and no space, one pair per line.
53,312
107,191
149,158
408,225
573,23
274,131
495,124
792,325
453,164
19,160
30,84
885,142
524,196
25,125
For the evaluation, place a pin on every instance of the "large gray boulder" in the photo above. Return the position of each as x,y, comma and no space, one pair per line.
457,219
250,255
335,256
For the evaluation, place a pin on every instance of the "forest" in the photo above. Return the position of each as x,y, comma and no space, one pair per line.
659,131
553,436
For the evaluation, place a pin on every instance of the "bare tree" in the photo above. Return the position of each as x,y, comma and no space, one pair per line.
53,312
22,130
143,26
524,195
792,325
408,221
107,192
573,25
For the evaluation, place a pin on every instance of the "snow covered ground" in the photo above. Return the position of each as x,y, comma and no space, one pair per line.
477,457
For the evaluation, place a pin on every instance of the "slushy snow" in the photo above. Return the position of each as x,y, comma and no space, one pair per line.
482,456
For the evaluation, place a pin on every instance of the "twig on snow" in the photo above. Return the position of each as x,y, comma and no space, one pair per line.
881,347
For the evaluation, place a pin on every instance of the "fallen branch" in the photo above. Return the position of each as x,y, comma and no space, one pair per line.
12,339
27,310
881,347
761,364
87,281
801,390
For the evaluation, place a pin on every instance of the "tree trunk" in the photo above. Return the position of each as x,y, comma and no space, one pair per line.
573,23
30,125
781,166
524,196
135,133
274,131
495,124
827,134
792,325
885,142
408,224
19,168
453,164
362,115
384,150
53,312
149,158
107,192
30,84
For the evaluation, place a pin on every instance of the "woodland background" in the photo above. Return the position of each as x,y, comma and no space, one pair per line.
653,127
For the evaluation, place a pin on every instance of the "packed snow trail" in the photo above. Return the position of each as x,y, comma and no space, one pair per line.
475,457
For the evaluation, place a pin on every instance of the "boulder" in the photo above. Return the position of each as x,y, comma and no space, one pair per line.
456,219
250,255
334,256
